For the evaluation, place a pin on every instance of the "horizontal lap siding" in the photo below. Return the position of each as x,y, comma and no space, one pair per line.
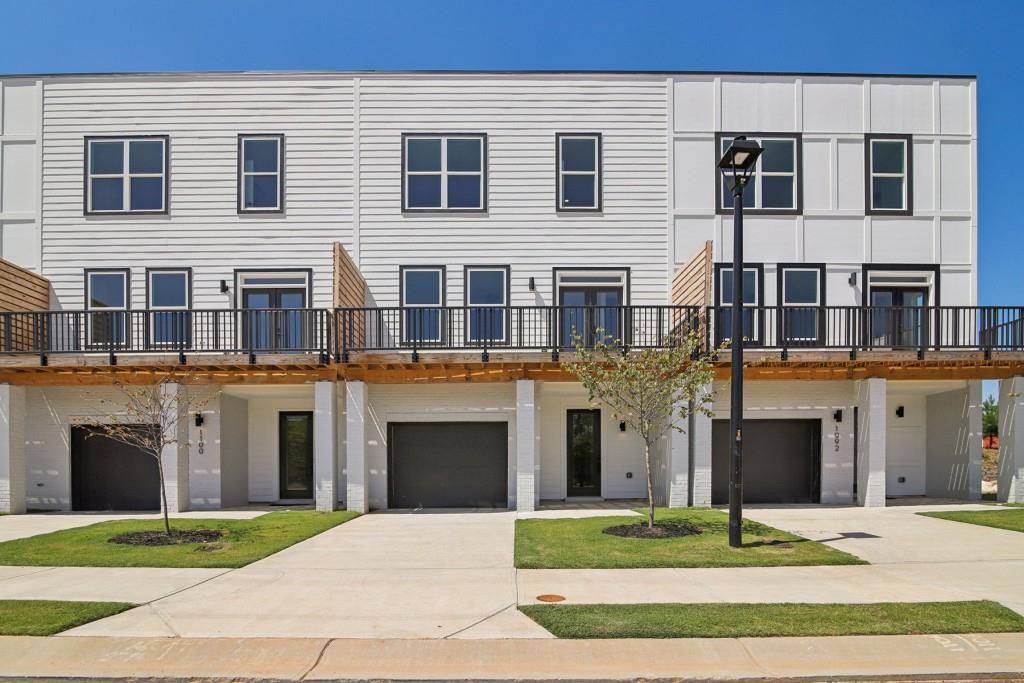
203,118
521,228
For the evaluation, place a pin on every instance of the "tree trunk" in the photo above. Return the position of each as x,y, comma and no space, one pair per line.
163,494
650,486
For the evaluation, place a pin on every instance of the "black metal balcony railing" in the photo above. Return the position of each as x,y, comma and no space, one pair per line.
336,333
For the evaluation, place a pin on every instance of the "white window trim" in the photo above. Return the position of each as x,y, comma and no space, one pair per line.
152,307
902,176
126,176
444,173
758,174
504,300
596,173
817,286
721,287
406,338
126,293
243,174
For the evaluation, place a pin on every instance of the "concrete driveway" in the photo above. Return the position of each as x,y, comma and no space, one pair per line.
383,575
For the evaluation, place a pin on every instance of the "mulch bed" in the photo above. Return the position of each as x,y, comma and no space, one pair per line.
160,538
660,530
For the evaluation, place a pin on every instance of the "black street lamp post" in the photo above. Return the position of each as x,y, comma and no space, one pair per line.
737,165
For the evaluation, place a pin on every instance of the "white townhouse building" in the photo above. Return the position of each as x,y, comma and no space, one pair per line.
374,276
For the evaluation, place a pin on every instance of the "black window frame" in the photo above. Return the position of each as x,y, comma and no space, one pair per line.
484,174
466,270
126,175
908,141
798,176
598,172
153,312
240,176
758,305
125,341
780,291
404,339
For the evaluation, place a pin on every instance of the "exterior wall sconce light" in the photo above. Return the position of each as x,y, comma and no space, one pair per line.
199,419
622,426
838,416
533,285
853,279
223,286
899,411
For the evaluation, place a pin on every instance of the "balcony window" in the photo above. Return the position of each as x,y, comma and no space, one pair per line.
444,173
106,299
579,171
487,299
422,299
801,288
168,295
126,175
775,184
260,173
889,167
753,278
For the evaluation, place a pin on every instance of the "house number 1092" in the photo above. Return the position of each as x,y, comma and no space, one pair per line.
837,438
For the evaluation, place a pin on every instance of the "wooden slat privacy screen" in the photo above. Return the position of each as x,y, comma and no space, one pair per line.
691,284
20,290
349,292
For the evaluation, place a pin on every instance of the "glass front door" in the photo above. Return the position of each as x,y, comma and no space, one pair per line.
268,325
583,453
296,443
591,314
898,316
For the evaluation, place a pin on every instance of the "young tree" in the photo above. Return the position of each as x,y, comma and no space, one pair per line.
652,390
151,417
990,417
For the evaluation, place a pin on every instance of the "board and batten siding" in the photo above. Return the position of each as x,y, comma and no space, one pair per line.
203,116
520,115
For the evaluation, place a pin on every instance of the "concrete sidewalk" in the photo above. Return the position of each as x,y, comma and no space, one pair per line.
293,659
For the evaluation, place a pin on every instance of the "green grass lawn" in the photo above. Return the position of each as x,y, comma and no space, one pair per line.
581,544
244,541
1005,518
46,617
734,620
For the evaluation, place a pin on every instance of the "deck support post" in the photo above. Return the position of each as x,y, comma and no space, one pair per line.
357,472
12,449
527,462
325,445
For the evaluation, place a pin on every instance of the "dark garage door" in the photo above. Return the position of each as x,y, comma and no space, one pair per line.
447,464
109,475
781,461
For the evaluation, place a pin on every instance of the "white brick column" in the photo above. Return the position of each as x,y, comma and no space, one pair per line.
871,418
1011,440
974,434
175,455
700,454
356,467
12,449
678,458
325,445
526,445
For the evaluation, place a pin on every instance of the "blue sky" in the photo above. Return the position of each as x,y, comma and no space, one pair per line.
932,36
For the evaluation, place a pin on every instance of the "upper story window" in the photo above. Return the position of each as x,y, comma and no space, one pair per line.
260,173
126,175
487,298
422,297
444,172
168,294
579,171
775,187
106,296
889,169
